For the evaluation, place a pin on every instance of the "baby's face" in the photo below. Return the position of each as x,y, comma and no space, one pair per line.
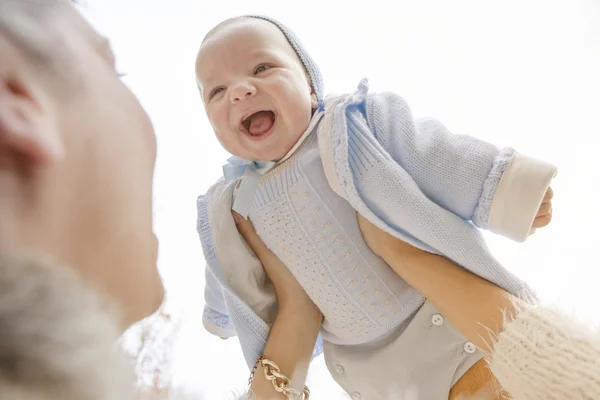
256,92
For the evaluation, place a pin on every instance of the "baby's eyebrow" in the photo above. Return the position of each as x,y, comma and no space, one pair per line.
208,81
261,52
201,90
202,83
202,87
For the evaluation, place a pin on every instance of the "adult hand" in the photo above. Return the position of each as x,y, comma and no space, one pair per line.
469,302
288,289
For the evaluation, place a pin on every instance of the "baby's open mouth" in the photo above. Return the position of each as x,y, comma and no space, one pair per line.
259,123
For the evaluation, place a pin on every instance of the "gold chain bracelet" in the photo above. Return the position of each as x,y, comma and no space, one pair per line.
281,383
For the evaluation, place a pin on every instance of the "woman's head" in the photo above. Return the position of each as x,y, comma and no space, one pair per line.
77,154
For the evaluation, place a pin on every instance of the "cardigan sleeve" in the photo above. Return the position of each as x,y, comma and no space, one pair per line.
497,189
215,317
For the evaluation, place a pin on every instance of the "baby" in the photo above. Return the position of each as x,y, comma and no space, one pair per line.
303,167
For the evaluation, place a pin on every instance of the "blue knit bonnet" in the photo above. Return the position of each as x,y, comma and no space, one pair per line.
309,64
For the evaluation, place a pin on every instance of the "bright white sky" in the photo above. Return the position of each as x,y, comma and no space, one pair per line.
512,72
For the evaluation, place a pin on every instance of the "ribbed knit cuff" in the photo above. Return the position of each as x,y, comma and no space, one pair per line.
481,215
217,324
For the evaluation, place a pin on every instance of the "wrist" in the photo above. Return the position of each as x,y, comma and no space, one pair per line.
290,345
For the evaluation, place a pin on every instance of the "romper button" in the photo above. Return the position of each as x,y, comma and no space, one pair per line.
470,348
339,369
356,396
437,319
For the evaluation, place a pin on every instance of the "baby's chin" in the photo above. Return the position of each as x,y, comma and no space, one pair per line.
265,156
272,154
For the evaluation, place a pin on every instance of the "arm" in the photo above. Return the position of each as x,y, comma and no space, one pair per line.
534,351
290,345
475,306
294,333
497,189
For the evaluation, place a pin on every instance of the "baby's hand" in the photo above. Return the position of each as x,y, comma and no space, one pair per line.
544,214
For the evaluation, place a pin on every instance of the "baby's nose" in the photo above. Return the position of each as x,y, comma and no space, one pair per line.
242,92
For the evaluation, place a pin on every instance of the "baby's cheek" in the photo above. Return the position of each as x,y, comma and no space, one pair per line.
301,115
219,123
225,140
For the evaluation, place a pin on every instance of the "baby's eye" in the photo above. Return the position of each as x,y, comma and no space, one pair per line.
216,92
261,68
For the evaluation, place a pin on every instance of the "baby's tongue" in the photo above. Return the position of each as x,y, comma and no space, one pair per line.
261,122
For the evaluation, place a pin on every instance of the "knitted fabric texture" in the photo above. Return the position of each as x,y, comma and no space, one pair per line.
315,233
414,178
543,354
309,64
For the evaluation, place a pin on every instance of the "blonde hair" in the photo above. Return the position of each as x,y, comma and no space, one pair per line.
57,339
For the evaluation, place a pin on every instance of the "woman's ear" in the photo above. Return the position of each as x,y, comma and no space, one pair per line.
27,130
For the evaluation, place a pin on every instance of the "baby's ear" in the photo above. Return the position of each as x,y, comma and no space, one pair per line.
314,103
